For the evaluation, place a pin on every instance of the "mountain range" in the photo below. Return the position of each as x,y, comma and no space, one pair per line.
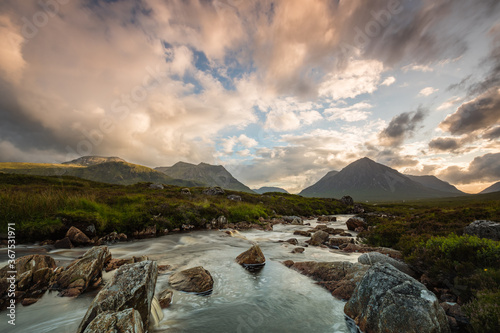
493,188
366,180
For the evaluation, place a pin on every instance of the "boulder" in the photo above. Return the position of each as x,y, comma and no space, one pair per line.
327,219
185,191
318,238
333,231
484,229
196,280
347,200
302,233
112,237
126,321
364,248
220,222
294,220
213,191
321,227
83,272
132,287
116,263
371,258
77,237
64,243
148,232
298,250
388,300
354,223
156,186
292,241
165,298
252,256
337,241
234,197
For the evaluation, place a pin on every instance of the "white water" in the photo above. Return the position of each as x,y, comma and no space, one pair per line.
276,299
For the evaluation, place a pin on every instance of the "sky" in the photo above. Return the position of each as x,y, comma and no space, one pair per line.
279,92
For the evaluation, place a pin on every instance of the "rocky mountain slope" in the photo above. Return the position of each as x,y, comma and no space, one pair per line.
493,188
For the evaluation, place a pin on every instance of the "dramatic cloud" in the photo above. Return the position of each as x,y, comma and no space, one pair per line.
449,103
402,127
447,144
484,168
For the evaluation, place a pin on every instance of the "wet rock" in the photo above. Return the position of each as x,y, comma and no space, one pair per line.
156,186
214,191
185,191
88,269
359,229
292,241
387,300
302,233
334,231
64,243
77,237
252,256
294,220
337,241
126,321
165,298
327,219
354,223
234,197
484,229
132,287
318,238
298,250
345,234
116,263
347,200
321,227
196,280
371,258
148,232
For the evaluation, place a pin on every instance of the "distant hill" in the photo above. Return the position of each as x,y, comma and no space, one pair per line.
435,183
107,172
367,180
266,189
211,175
493,188
93,160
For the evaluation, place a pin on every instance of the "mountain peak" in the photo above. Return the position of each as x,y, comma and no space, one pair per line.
94,160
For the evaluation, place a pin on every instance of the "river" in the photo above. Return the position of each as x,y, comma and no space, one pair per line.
275,299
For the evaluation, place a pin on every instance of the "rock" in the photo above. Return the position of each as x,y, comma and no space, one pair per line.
220,222
359,229
165,298
88,269
337,241
363,249
357,209
196,280
213,191
32,279
354,223
327,219
372,258
156,186
334,231
340,278
387,300
484,229
64,243
298,250
345,234
318,238
456,318
77,237
302,233
252,256
347,200
126,321
321,227
116,263
294,220
132,287
148,232
292,241
185,191
234,197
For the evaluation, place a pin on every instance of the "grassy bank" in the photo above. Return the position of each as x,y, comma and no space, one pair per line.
44,207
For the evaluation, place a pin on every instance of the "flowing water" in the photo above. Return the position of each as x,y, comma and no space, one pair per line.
275,299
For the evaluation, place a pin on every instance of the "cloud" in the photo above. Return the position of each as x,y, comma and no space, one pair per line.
449,103
427,91
12,62
351,113
388,81
417,68
478,114
492,134
446,144
485,168
402,127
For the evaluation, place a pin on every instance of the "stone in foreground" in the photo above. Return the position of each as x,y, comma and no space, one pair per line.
132,287
195,280
484,229
251,257
126,321
387,300
371,258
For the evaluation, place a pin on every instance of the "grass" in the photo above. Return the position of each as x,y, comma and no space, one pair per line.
44,207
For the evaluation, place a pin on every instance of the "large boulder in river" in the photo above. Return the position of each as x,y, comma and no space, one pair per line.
387,300
132,287
353,223
484,229
196,280
83,272
252,256
64,243
32,279
126,321
318,238
77,237
371,258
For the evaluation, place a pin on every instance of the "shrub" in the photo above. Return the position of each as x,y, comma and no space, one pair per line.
484,312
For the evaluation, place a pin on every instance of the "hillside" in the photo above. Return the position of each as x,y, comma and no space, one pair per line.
435,183
211,175
93,160
366,180
493,188
266,189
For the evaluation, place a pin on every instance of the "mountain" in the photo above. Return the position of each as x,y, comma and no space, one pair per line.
493,188
367,180
435,183
266,189
107,172
211,175
93,160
